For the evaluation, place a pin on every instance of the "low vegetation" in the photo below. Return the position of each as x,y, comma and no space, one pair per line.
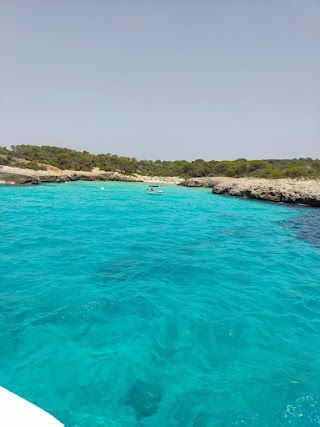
36,157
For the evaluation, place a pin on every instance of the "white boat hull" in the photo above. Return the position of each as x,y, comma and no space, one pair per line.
18,412
155,193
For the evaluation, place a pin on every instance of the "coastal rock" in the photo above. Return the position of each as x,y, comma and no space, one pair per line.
116,176
9,177
302,191
21,176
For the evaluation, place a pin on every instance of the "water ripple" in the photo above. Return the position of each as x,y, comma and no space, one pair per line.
190,310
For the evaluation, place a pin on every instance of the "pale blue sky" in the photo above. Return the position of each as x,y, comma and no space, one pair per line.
166,79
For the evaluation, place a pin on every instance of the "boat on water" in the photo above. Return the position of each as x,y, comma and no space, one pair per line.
154,190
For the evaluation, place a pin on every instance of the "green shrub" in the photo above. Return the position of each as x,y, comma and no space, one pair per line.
4,160
33,165
65,158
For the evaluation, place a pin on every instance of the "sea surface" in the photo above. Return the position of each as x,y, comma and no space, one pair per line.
123,309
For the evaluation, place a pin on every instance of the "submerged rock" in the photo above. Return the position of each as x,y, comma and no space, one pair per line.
144,398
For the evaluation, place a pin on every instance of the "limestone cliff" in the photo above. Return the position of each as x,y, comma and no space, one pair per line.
13,175
304,191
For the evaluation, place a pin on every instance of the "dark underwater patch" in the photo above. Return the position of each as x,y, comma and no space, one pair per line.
306,228
144,398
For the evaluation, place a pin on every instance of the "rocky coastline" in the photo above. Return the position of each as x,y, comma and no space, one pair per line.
294,191
12,175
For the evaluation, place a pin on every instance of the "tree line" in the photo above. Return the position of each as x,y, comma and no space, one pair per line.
37,157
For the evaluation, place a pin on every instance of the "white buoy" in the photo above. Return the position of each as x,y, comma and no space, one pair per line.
102,188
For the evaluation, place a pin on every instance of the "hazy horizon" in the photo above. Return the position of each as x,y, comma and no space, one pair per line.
163,80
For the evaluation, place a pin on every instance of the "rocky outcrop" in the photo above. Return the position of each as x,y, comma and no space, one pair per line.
303,191
8,177
116,176
13,175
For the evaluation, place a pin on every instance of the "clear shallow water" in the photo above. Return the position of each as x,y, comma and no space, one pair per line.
190,309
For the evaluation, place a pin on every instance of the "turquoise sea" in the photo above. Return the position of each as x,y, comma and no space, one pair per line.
121,309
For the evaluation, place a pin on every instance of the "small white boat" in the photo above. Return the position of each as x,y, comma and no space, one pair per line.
153,190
